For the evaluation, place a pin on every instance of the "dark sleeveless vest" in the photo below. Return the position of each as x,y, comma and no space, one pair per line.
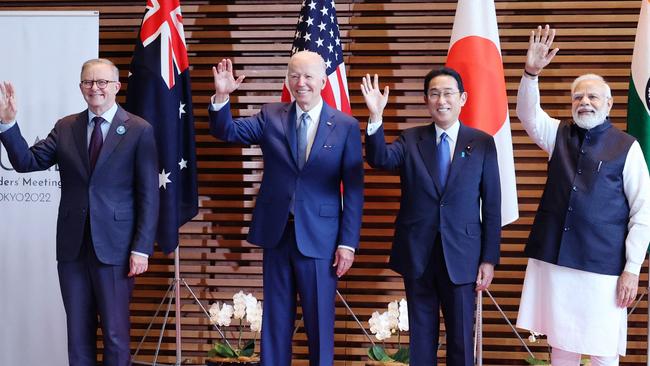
582,218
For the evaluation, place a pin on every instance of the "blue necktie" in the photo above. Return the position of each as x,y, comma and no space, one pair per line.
96,142
444,160
302,139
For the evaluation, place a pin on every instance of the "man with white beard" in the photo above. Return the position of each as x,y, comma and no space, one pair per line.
592,228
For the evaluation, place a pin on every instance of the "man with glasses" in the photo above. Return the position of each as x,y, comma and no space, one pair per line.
592,228
448,228
108,211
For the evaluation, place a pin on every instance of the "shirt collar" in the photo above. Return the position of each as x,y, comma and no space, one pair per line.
314,113
452,131
107,116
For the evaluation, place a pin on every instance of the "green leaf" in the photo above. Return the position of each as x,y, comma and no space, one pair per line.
402,355
248,349
377,353
536,361
223,350
212,352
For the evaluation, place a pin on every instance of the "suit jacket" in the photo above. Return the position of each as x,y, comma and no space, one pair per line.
120,195
466,214
321,220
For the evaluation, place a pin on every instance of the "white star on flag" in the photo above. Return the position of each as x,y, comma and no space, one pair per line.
181,110
182,164
163,179
319,42
312,5
322,26
324,11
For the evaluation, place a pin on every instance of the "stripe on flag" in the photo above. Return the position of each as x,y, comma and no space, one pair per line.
638,107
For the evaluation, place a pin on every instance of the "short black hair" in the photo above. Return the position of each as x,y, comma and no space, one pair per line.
443,71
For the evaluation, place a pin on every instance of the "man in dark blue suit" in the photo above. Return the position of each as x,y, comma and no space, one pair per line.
308,233
448,229
108,211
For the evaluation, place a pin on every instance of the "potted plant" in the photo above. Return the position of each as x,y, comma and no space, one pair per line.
245,308
383,326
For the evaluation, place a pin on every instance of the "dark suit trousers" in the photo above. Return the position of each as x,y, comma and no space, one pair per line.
288,273
425,296
89,288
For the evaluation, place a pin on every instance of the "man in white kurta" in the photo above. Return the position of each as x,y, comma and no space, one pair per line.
580,303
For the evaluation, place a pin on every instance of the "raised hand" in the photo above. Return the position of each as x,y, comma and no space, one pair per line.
539,52
224,80
375,100
8,105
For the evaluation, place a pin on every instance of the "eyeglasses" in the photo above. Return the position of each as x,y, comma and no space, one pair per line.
436,94
101,83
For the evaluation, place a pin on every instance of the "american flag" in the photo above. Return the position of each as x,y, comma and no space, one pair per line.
318,31
159,91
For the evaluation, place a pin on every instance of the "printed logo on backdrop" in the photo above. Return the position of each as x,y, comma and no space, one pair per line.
26,188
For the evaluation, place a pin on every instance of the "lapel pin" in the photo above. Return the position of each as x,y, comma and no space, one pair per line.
121,130
468,151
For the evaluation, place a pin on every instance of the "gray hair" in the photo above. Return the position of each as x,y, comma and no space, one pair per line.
314,55
594,77
104,61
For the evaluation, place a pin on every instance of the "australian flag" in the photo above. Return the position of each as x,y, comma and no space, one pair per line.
159,91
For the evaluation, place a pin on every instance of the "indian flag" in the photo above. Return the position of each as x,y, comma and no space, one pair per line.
638,100
475,52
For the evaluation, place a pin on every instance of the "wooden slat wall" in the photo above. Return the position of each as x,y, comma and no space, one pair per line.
401,41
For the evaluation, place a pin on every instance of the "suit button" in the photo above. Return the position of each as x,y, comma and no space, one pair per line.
570,209
579,171
582,151
567,228
574,188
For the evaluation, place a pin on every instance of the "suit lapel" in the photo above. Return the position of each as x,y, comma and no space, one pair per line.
326,125
80,133
429,154
462,152
289,124
113,138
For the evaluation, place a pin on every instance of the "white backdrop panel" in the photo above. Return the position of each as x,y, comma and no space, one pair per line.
42,57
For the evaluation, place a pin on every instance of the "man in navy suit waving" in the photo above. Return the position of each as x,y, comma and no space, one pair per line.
108,211
448,229
308,233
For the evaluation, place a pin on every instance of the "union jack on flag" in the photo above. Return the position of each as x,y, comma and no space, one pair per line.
318,31
159,91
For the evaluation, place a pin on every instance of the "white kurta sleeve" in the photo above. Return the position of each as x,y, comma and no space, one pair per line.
541,128
636,185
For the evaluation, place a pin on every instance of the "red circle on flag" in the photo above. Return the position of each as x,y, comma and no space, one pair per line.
478,62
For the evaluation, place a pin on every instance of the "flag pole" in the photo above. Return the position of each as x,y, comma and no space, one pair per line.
177,295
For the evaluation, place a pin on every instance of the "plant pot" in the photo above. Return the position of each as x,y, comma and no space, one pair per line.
241,361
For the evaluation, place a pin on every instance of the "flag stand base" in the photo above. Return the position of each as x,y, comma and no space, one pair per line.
172,295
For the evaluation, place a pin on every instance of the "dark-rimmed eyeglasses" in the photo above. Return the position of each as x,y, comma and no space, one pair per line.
101,83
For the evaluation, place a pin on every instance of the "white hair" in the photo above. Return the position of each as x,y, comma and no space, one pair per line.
581,78
311,54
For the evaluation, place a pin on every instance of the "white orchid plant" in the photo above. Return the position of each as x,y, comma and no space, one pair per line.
245,307
383,326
